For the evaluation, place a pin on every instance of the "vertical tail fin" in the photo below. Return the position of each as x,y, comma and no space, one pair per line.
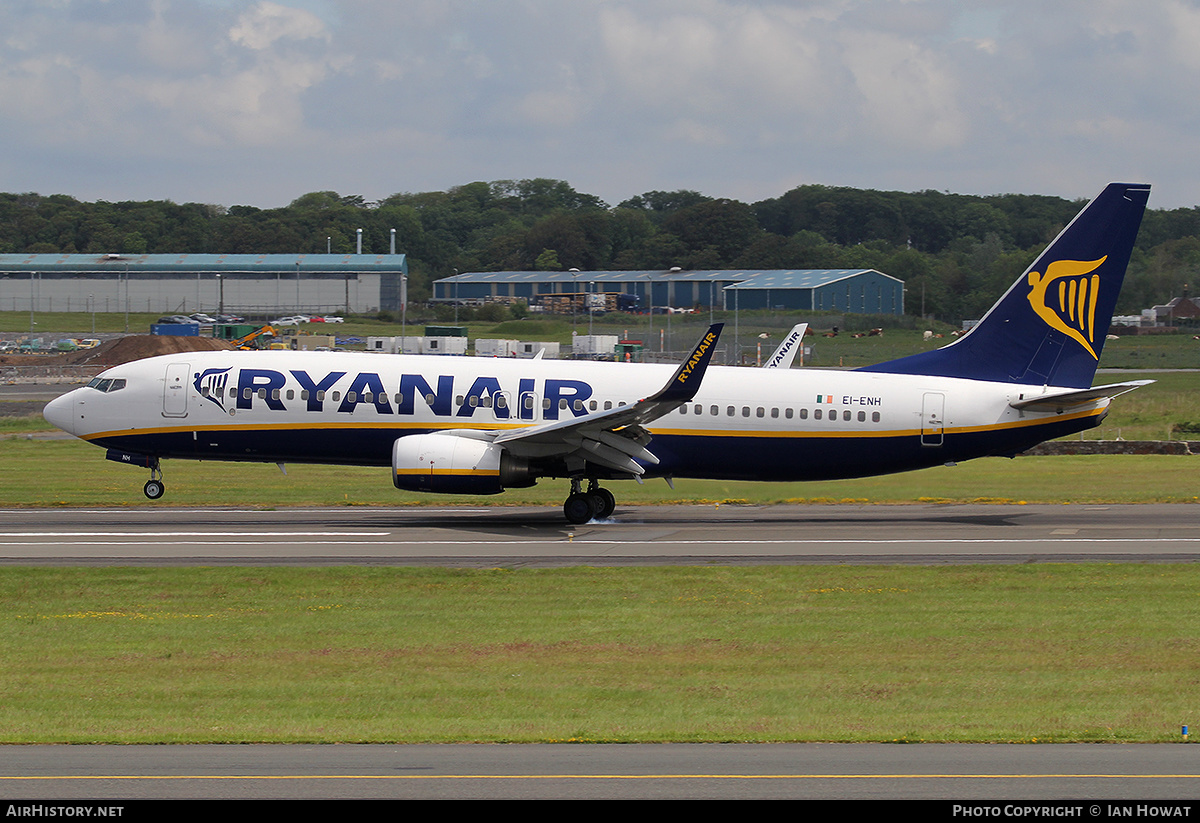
1049,327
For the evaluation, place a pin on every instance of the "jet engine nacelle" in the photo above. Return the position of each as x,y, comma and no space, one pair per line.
455,465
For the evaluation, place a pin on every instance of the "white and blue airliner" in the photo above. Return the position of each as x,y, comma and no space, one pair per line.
467,425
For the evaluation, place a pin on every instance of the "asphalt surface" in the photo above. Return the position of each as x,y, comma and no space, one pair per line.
1096,777
639,535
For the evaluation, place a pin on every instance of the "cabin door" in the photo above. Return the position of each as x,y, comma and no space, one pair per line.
175,390
933,409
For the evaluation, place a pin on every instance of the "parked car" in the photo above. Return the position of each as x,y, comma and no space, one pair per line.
177,319
329,318
294,320
201,317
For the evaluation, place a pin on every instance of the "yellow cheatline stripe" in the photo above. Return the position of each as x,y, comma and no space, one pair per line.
800,433
456,472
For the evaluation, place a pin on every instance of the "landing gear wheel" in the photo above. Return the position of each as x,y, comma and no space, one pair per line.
605,503
154,489
579,508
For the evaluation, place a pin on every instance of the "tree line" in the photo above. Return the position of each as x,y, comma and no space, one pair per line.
956,253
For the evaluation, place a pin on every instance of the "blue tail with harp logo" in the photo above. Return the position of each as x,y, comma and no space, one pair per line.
1049,328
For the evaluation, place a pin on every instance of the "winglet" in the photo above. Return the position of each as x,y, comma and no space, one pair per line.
686,381
792,343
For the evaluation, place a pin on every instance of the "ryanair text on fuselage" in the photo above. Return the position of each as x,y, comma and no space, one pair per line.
268,387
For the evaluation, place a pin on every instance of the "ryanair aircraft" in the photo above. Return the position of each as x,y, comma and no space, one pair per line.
467,425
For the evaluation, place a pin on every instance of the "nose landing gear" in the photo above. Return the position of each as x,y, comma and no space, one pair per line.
154,487
595,503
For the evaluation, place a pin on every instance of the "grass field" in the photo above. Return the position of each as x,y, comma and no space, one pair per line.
994,654
73,473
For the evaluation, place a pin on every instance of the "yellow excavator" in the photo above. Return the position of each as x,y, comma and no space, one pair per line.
255,339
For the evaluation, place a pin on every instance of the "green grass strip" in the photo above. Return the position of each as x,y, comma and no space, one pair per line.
74,473
967,653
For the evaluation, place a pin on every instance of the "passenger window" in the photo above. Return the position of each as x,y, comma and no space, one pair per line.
874,417
787,413
775,412
817,414
845,414
729,411
745,411
804,414
862,417
714,410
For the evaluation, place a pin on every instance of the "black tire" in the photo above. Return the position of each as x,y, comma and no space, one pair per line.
154,489
579,508
605,503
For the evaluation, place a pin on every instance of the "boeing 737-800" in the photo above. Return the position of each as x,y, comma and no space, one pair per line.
469,425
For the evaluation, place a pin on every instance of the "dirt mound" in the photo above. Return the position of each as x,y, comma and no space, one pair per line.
137,347
118,351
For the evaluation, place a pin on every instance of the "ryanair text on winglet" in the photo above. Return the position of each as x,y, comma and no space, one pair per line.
696,357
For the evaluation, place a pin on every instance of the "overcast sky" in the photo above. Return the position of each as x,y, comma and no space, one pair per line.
256,103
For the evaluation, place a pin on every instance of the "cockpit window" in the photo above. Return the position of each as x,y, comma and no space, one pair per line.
107,384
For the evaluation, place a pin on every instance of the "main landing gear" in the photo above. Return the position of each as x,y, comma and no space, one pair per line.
154,487
582,506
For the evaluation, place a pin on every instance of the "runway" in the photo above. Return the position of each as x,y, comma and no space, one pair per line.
1002,776
649,535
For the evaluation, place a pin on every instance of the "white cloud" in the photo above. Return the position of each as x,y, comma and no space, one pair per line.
266,23
261,102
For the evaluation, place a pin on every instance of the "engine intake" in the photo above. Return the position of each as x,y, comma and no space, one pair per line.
456,465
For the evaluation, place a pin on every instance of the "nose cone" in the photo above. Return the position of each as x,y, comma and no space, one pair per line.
59,412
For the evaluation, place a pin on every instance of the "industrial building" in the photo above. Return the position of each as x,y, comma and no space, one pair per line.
214,283
859,291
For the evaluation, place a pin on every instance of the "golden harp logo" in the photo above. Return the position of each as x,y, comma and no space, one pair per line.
1066,298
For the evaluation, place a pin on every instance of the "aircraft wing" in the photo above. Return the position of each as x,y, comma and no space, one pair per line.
1061,401
783,356
613,438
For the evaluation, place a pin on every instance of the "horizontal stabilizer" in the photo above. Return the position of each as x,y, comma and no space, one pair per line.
1062,401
